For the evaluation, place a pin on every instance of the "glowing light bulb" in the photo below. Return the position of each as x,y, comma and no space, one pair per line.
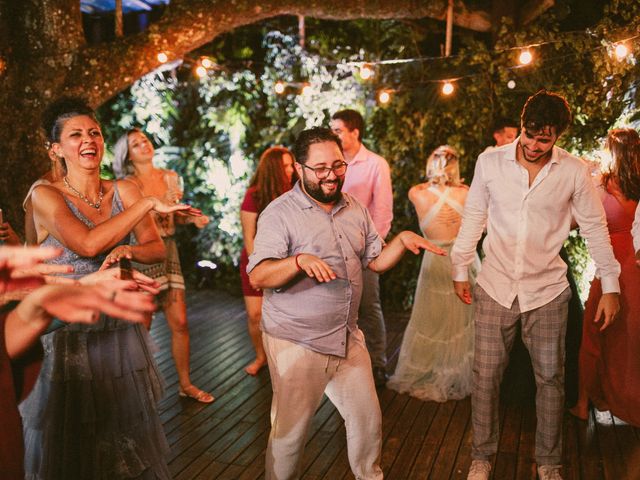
447,88
384,96
621,51
511,84
279,87
366,72
162,57
201,71
525,57
206,62
306,90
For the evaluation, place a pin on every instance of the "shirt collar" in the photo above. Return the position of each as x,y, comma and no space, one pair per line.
361,156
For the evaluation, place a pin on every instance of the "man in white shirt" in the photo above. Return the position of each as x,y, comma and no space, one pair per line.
368,179
526,193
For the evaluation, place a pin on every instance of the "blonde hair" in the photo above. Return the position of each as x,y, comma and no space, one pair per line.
122,166
445,172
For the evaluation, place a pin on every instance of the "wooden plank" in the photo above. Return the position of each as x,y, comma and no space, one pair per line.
227,439
448,452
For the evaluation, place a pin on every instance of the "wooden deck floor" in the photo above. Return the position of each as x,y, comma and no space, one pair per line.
422,440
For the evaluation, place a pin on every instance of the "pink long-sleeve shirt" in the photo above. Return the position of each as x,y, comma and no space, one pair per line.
368,178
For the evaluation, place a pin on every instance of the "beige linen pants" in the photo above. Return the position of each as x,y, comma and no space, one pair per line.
299,377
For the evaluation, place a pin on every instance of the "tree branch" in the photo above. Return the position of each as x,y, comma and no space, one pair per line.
189,24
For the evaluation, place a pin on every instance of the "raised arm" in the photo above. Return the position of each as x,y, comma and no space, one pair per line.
395,249
52,215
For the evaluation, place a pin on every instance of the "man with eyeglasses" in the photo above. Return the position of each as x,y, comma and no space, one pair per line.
311,247
368,179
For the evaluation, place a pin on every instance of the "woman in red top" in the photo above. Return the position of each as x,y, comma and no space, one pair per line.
609,365
274,176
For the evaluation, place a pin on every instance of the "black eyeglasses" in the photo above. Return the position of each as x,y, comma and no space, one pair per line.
323,172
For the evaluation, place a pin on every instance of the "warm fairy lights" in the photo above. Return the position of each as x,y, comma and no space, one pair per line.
279,87
525,57
447,88
366,72
163,57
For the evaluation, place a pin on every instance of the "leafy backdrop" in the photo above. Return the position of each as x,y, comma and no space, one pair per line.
212,130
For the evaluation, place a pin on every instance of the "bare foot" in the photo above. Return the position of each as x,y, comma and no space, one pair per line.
254,368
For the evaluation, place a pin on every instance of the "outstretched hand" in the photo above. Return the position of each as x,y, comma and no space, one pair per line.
113,276
316,268
414,242
115,255
22,268
162,207
82,304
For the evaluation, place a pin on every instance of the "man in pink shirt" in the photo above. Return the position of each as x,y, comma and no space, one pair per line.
368,178
526,194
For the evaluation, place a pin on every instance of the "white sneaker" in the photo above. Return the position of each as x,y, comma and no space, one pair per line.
549,472
479,470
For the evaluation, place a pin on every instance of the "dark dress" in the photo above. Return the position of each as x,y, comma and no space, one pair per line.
248,205
92,413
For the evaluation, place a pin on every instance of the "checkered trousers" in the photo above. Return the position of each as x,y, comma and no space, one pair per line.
543,333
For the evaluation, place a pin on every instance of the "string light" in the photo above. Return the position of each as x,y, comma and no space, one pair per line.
384,96
201,71
206,62
306,89
525,57
279,87
621,51
447,88
162,57
366,71
511,84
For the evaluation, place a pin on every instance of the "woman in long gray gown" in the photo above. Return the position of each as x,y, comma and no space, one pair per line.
436,355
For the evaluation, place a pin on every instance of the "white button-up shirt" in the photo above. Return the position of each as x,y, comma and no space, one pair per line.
635,231
368,178
527,225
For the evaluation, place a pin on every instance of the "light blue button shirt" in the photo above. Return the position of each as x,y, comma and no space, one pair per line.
316,315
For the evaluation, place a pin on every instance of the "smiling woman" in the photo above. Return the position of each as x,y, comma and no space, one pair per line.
87,403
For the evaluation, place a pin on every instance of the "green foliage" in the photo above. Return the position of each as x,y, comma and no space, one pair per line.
212,131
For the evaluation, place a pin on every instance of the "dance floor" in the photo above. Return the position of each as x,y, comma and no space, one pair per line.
421,440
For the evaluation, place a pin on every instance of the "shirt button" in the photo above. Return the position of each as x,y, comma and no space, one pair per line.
342,343
339,236
345,259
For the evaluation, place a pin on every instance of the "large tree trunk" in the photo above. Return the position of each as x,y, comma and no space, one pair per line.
44,54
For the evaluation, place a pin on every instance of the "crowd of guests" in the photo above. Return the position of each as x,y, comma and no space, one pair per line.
80,385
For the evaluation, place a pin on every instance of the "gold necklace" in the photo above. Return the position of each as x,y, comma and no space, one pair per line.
95,205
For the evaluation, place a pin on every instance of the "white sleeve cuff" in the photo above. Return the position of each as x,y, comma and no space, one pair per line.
610,285
460,273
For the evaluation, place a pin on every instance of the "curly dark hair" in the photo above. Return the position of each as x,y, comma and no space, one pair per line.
546,109
624,145
310,137
61,110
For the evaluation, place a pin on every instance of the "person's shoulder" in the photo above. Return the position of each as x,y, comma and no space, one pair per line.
46,194
284,202
126,186
418,190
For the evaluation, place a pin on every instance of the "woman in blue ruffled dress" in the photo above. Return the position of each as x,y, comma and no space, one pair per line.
92,413
436,355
